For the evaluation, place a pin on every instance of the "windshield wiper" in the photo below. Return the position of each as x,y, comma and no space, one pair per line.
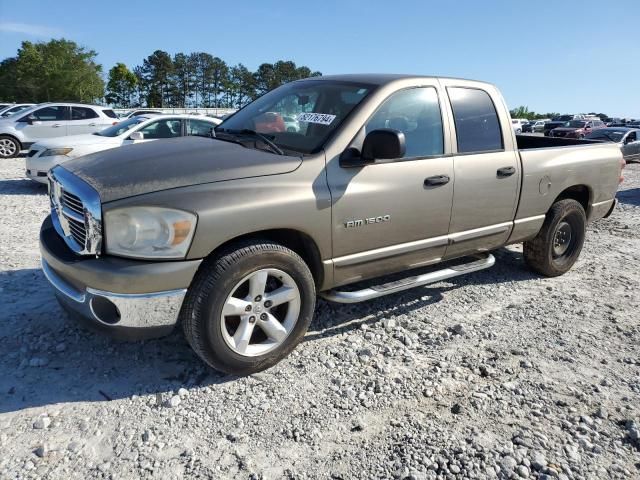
246,131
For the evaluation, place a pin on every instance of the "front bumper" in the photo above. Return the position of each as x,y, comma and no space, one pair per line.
36,167
124,298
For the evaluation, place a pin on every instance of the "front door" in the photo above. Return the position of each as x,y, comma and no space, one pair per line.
46,122
394,215
487,174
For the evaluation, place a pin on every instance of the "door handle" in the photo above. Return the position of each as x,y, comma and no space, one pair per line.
92,124
56,125
505,172
436,180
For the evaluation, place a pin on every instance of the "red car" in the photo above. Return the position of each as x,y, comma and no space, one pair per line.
577,128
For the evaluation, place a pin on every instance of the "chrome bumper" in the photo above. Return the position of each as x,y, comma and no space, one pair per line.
118,311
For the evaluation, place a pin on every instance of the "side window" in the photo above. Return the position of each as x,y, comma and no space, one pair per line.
110,113
476,119
632,137
165,128
82,113
416,113
199,128
50,114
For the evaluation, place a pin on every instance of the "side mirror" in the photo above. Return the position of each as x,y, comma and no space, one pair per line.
28,119
136,136
383,144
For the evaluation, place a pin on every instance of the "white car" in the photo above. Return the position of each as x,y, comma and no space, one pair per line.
291,124
46,154
48,120
517,124
13,109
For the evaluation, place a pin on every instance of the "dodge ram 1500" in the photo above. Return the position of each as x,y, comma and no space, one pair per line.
234,236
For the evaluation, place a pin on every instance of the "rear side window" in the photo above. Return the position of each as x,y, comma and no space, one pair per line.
82,113
416,113
50,114
476,119
199,128
110,113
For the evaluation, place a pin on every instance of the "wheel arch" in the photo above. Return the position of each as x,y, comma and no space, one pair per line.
12,137
298,241
580,193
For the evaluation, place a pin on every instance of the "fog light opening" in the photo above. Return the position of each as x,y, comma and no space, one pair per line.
105,310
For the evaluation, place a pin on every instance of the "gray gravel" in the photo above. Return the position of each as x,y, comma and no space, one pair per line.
499,374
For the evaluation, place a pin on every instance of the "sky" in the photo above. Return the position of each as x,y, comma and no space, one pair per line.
552,56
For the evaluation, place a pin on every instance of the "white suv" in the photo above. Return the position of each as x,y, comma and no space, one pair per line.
48,120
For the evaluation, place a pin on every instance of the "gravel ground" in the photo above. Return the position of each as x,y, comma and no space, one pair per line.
498,374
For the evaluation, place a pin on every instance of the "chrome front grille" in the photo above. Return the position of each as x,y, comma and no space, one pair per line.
76,212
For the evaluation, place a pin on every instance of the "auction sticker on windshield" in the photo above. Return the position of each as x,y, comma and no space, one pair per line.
321,118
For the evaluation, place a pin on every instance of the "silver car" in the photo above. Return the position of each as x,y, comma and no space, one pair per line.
627,138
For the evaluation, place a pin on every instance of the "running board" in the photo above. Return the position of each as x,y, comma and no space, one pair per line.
484,261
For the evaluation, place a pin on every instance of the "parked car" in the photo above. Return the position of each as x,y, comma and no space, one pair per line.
45,154
539,125
627,138
553,124
232,236
48,120
517,125
135,113
13,109
290,123
577,128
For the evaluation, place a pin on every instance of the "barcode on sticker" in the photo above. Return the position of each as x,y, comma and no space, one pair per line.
321,118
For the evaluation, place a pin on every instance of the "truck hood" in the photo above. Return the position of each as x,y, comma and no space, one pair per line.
77,141
173,163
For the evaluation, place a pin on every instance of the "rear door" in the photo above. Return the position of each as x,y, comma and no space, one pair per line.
487,169
395,215
46,122
84,120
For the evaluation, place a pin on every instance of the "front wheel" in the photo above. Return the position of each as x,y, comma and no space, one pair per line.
249,307
9,147
559,242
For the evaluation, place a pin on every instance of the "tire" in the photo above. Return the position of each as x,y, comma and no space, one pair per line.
224,282
558,244
9,147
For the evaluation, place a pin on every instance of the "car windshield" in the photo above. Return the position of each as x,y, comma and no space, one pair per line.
317,108
576,124
120,127
613,135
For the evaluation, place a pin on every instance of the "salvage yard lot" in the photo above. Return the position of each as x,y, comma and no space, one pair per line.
499,373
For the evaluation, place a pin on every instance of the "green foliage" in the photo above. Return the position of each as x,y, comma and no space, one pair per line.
53,71
121,86
61,70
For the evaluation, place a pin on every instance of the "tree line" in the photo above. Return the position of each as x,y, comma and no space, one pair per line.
61,70
524,112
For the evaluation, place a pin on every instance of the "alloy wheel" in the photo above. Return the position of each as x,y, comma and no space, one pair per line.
260,312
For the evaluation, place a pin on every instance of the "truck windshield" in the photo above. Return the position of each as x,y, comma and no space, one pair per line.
120,127
298,116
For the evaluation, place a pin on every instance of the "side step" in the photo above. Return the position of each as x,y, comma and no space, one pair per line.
483,261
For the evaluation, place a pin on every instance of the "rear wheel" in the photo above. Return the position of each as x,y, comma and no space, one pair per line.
558,244
249,307
9,147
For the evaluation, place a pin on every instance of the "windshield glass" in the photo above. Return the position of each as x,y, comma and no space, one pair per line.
614,136
298,116
120,127
576,124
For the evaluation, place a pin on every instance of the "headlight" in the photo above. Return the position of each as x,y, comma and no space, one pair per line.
50,152
149,232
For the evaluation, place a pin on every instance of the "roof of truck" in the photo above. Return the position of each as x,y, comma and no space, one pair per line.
383,78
